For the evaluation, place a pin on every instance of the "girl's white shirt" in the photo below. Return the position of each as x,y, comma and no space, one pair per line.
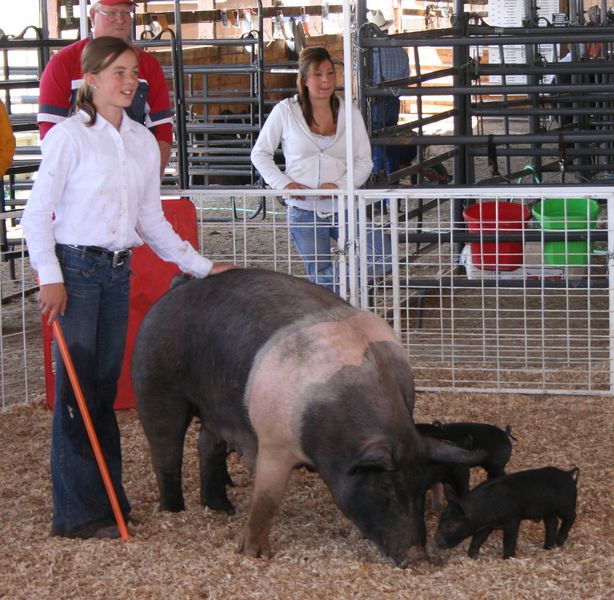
306,162
102,185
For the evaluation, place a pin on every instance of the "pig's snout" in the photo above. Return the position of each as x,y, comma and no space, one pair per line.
440,541
414,556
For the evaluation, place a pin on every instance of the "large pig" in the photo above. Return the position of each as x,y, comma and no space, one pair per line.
289,375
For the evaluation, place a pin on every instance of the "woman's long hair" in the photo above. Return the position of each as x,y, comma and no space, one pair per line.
97,56
308,60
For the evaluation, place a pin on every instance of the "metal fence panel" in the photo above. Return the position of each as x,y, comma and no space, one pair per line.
480,309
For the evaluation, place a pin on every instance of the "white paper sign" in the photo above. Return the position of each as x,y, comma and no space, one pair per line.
510,13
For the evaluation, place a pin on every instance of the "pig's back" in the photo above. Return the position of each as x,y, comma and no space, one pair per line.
205,334
245,307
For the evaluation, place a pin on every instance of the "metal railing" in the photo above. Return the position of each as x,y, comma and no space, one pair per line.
530,313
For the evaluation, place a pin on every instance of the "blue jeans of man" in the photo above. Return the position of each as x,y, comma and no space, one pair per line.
312,233
385,113
94,326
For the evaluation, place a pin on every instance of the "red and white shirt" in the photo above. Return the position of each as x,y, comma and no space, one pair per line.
62,78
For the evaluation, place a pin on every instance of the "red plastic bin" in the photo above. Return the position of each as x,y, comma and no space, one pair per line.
489,217
152,277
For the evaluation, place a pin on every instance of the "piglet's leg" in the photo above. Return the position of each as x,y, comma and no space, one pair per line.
510,538
567,521
551,524
273,469
476,542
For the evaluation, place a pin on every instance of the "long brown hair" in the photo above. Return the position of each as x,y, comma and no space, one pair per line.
97,56
308,60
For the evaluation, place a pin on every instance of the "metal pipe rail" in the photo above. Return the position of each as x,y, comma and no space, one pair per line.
528,235
486,90
594,67
28,44
528,138
221,100
216,42
200,131
457,283
500,112
241,69
492,36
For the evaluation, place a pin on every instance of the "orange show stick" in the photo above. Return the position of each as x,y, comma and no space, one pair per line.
102,465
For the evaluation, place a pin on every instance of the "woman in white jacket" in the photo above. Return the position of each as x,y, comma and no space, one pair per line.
311,129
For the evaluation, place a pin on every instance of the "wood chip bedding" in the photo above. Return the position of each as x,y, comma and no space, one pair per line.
318,553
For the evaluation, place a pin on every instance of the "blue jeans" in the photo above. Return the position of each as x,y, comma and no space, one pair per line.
312,234
385,113
94,326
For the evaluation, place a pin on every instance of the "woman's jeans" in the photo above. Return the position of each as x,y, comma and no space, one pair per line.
312,233
94,326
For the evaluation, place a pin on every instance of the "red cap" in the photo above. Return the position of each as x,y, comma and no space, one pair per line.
112,2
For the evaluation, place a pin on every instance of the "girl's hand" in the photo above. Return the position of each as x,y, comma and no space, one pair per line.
52,300
296,186
328,186
220,267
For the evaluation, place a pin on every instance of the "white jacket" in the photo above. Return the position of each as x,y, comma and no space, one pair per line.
305,162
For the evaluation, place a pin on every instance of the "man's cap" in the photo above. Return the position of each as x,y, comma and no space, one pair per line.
377,18
112,2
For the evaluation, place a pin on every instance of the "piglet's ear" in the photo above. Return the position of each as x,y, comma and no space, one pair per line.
373,456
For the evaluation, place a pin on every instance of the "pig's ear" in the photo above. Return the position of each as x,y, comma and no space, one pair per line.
374,456
452,499
448,492
444,451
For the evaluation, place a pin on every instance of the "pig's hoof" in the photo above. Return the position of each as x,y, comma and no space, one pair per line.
421,566
172,506
548,546
253,550
416,556
473,554
437,561
219,505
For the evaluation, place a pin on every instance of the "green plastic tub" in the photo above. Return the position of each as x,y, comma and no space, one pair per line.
557,214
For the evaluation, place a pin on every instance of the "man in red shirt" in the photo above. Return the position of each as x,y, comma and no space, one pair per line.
62,77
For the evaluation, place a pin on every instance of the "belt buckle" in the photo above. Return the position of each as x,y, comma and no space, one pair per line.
323,215
119,257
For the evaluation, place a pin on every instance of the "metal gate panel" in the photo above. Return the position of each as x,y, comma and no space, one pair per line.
539,328
499,310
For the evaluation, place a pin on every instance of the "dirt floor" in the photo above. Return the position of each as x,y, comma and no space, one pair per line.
318,553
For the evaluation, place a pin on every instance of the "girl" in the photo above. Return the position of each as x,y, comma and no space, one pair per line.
311,129
97,185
